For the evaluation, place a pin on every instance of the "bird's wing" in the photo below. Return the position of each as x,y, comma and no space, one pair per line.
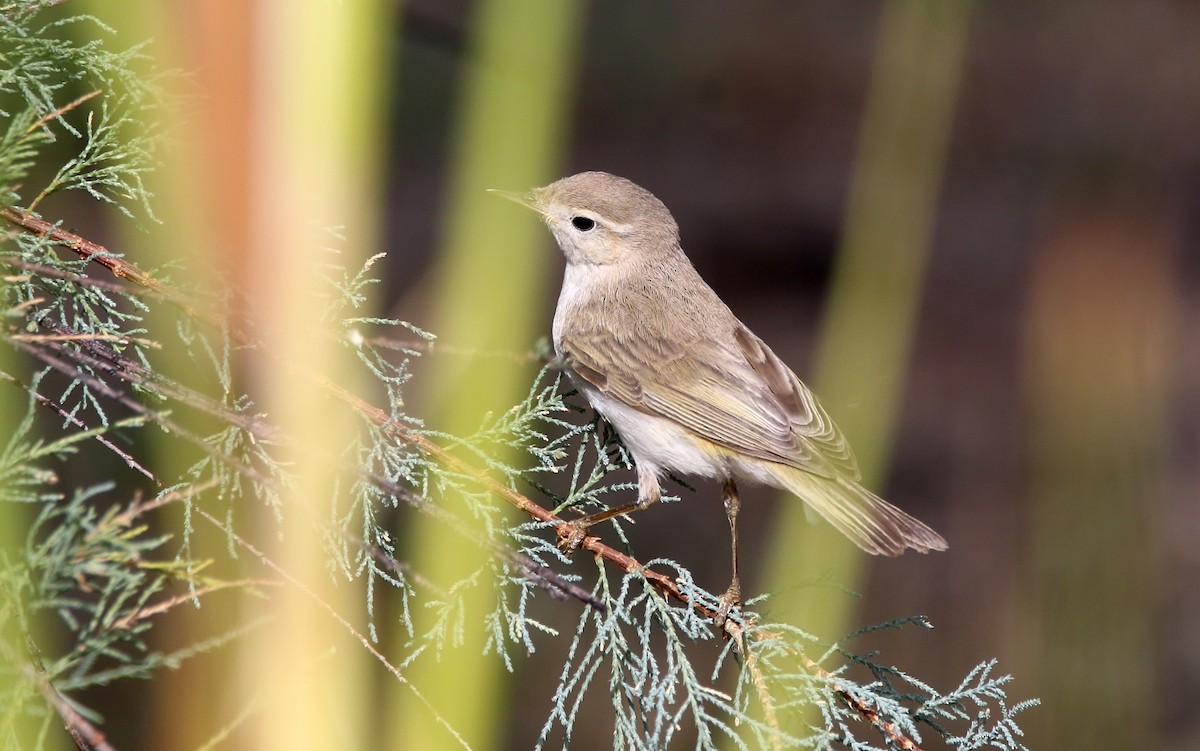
737,394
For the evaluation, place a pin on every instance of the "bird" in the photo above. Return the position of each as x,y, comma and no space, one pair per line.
687,386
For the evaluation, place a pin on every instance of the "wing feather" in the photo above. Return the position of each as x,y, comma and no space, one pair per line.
738,395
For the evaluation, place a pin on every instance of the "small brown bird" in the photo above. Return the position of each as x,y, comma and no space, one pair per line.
687,386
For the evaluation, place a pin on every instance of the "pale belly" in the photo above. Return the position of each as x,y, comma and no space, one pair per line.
658,444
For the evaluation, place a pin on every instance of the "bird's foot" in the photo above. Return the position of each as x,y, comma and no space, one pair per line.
731,599
571,535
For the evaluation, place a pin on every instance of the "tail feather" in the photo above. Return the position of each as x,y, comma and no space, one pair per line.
872,523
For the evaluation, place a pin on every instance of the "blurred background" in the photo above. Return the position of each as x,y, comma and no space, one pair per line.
973,228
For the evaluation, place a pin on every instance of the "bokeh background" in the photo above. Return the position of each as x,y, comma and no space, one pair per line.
974,228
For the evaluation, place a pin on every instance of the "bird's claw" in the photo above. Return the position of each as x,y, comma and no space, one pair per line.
731,599
570,536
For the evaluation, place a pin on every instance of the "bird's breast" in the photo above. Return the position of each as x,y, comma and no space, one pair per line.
655,442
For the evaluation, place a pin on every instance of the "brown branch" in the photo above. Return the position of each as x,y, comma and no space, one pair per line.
669,587
887,728
868,712
124,270
90,251
160,292
591,543
42,269
85,735
85,249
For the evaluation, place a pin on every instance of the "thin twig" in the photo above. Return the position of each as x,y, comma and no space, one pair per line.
42,269
89,337
761,689
135,510
85,735
62,110
162,292
420,344
162,606
100,437
73,370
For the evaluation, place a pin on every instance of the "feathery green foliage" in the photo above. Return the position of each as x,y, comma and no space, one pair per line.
46,74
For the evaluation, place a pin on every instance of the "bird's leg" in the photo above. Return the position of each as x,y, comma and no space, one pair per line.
571,534
733,595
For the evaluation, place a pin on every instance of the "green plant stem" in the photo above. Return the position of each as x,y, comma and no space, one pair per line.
493,263
870,320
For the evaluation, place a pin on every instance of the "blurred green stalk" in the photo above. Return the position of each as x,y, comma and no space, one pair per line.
316,141
491,270
871,315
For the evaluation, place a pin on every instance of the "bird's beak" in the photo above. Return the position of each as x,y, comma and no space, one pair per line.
528,200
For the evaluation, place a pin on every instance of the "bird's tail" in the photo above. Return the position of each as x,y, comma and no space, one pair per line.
872,523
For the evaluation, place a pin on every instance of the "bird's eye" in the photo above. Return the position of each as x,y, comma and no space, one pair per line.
583,223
